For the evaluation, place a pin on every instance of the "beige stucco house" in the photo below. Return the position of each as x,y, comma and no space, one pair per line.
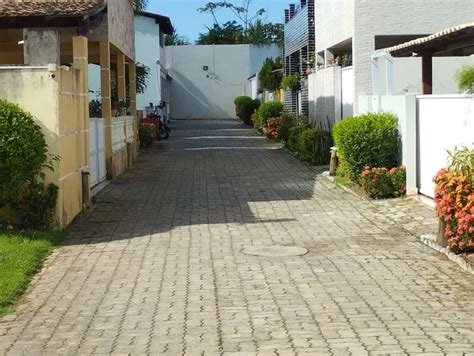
45,49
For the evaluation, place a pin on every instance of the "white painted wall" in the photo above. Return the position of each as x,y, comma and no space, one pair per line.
324,96
334,22
148,51
347,92
445,122
254,87
196,93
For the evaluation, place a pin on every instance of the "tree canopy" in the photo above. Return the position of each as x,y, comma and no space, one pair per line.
268,77
246,28
176,39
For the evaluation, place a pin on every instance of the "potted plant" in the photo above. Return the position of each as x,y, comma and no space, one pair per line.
291,82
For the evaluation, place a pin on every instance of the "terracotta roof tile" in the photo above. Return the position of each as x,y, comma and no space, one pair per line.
23,8
440,35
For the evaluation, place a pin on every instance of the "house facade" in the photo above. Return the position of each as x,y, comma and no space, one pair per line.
299,49
344,56
150,31
45,51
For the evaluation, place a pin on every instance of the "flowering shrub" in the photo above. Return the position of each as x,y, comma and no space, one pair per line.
380,182
146,133
454,198
273,124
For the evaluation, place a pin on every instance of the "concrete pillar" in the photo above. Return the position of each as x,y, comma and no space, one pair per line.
132,73
80,53
105,92
410,149
41,46
122,92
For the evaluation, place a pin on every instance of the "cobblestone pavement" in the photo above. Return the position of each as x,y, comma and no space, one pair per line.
156,266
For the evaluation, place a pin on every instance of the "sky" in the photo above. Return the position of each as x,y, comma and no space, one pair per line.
189,22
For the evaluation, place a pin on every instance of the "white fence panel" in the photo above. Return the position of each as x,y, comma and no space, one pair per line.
93,152
445,122
347,95
118,133
129,134
97,151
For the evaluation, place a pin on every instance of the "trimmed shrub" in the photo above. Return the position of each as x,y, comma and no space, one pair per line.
314,146
146,133
24,198
367,140
288,120
306,144
269,109
381,183
38,204
245,107
294,134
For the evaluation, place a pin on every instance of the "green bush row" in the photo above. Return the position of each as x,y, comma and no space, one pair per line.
311,145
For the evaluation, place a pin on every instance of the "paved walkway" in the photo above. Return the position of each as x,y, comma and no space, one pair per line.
156,266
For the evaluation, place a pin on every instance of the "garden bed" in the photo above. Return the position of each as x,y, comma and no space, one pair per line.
22,255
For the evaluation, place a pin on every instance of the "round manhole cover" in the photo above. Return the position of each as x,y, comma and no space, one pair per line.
274,251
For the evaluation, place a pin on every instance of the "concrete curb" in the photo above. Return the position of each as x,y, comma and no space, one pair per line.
430,240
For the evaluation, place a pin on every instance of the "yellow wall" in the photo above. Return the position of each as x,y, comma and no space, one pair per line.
53,97
35,90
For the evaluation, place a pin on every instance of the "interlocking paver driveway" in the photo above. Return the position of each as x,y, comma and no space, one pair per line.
156,266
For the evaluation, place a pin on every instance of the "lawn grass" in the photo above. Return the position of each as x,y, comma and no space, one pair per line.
21,256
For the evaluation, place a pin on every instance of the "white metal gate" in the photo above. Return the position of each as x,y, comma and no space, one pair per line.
97,151
444,122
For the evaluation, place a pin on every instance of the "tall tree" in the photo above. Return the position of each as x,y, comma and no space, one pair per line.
248,23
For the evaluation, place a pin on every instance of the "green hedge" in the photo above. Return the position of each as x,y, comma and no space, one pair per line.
312,145
294,134
367,140
244,108
269,109
288,120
